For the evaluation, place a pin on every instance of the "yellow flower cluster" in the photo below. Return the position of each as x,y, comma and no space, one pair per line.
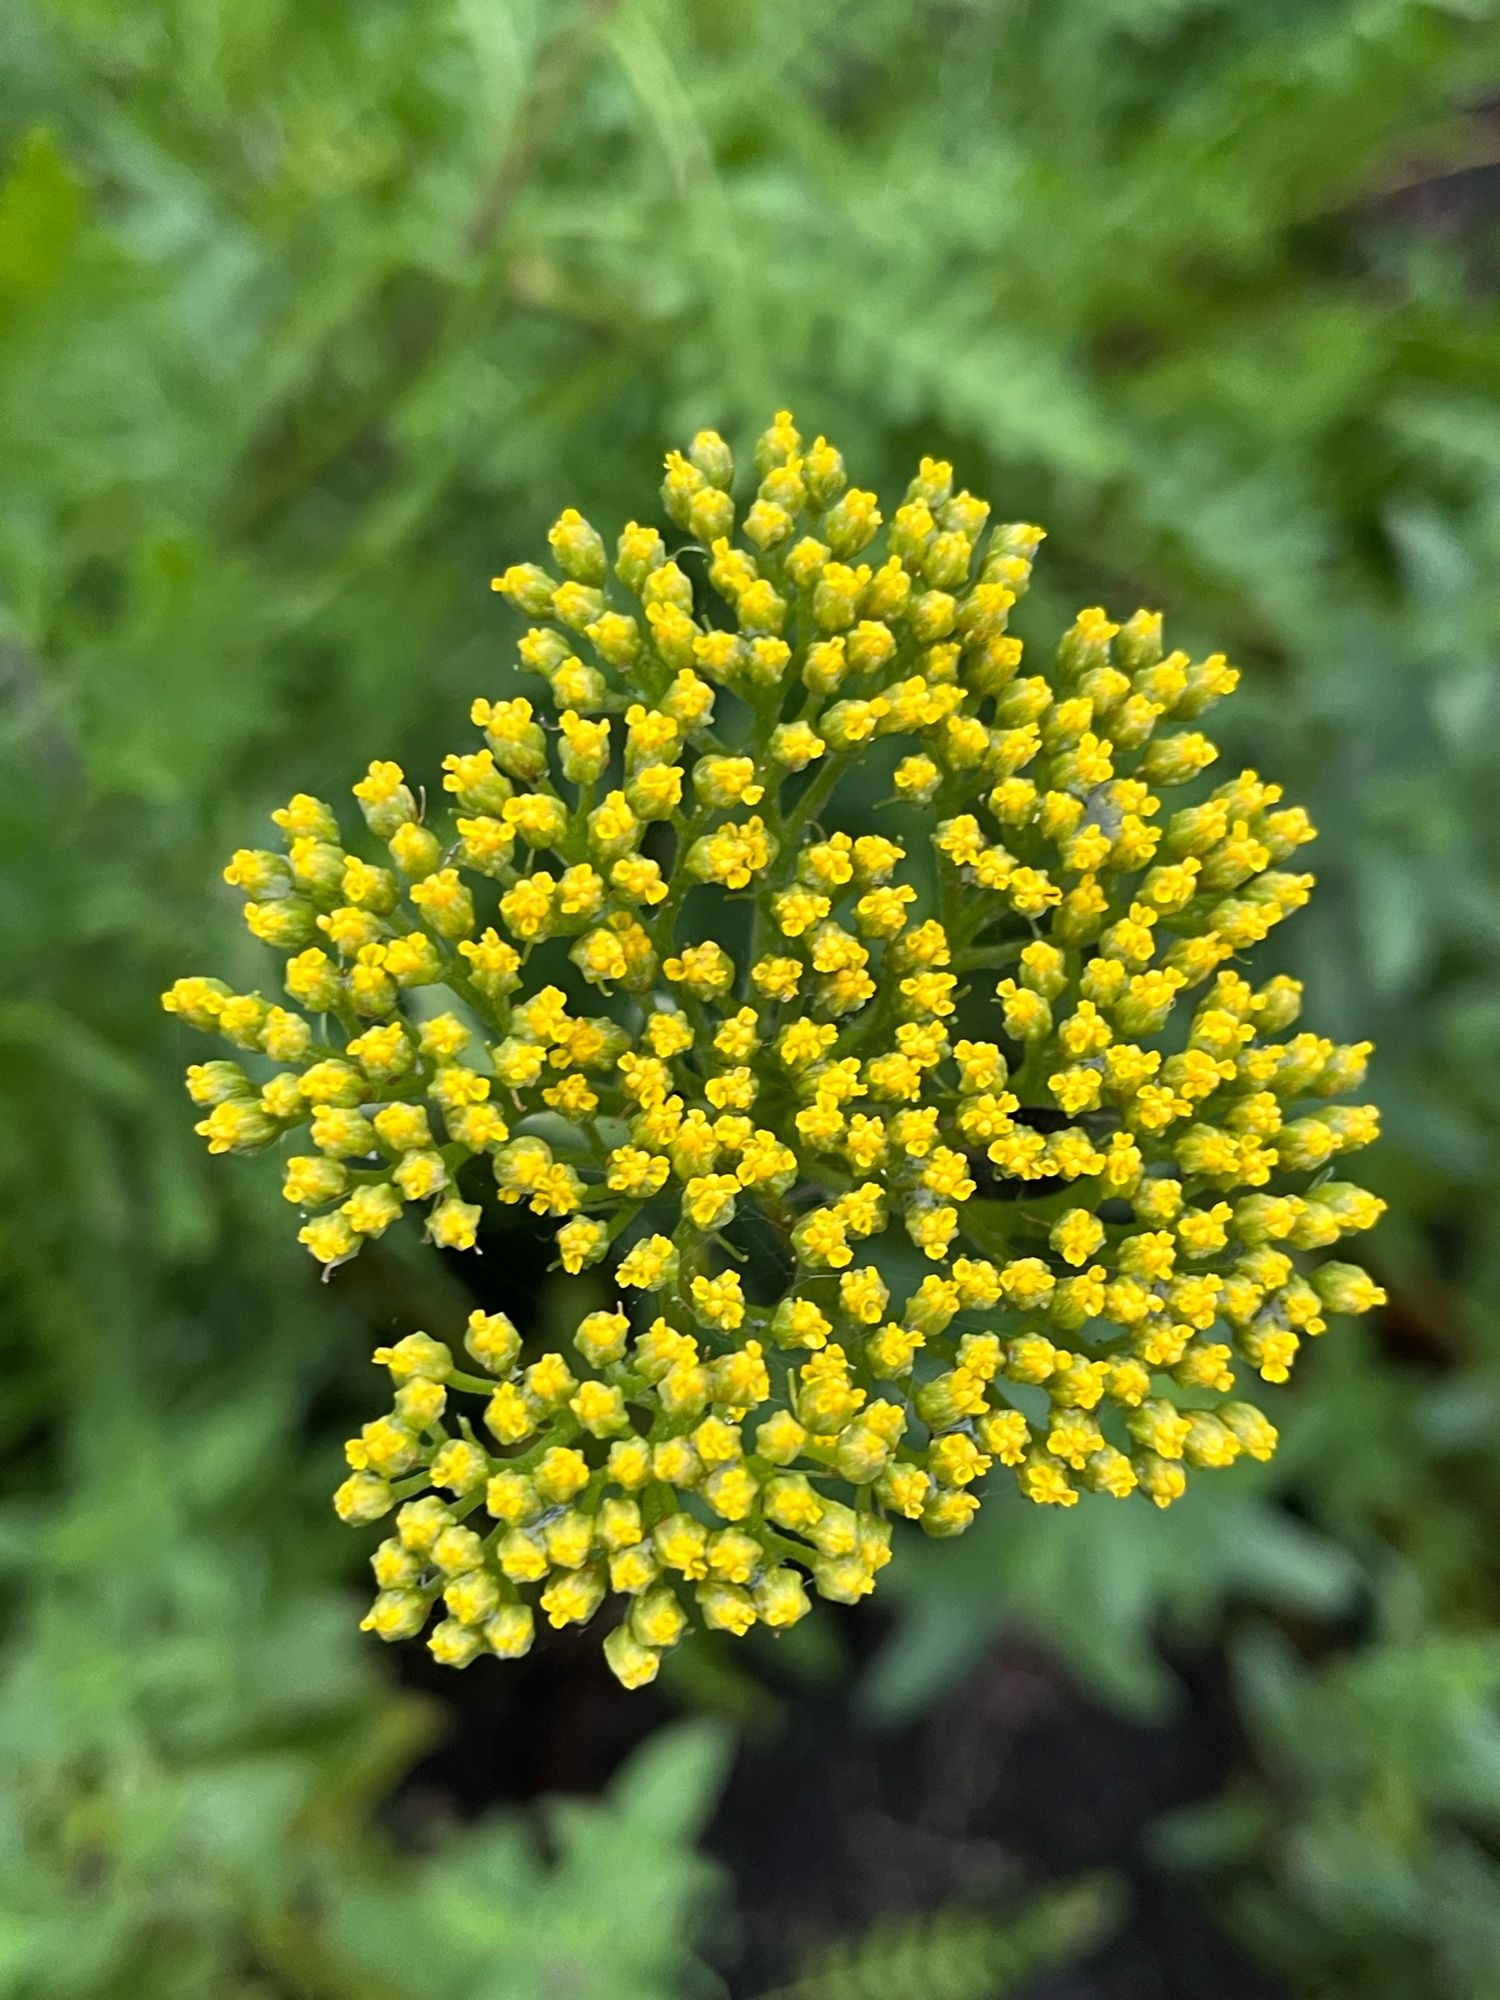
875,1222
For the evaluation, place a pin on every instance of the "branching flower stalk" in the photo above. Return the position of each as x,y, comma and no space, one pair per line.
873,1222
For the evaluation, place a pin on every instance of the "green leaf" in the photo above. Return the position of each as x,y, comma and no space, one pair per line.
41,214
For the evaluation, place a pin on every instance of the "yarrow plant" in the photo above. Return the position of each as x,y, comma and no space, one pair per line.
872,1224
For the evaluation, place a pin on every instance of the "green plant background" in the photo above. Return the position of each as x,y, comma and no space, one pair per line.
311,315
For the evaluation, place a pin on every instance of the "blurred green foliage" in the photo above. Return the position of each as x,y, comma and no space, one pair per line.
613,1914
1365,1858
958,1954
312,314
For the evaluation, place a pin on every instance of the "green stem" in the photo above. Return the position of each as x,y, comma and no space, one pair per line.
991,958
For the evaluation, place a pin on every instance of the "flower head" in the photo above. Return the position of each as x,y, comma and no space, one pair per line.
900,1190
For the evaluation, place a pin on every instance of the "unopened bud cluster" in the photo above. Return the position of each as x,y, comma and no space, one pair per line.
872,1223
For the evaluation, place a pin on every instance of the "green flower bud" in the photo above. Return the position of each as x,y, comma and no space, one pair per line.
579,549
713,458
1345,1288
454,1645
509,1633
397,1614
362,1499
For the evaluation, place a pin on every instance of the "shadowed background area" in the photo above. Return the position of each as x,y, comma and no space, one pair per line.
311,317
